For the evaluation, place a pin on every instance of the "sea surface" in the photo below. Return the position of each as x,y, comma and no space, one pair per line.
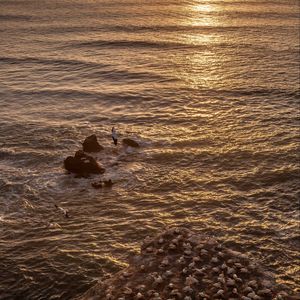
209,88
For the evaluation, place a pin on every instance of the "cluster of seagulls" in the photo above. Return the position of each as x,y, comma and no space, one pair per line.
179,265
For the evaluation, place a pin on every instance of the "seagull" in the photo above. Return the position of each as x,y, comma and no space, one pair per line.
114,135
64,211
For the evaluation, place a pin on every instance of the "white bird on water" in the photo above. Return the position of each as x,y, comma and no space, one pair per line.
114,135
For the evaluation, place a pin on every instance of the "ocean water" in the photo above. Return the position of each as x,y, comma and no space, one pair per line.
209,88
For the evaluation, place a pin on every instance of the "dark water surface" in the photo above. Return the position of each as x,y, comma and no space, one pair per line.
211,91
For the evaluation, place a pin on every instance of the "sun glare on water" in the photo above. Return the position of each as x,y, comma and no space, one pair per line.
196,67
204,7
203,14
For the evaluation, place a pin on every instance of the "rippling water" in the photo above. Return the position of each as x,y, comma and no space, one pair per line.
211,91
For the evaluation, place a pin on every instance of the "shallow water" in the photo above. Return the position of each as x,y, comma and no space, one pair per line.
210,89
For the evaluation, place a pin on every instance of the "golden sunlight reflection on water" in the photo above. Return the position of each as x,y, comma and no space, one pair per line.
208,89
199,67
201,14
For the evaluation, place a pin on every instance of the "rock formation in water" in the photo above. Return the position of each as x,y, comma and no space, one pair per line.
131,143
91,144
180,265
82,164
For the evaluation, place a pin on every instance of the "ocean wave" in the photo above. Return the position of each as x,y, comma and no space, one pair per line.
262,178
76,95
183,46
241,92
95,70
204,29
129,96
10,17
126,75
261,15
25,158
136,44
50,61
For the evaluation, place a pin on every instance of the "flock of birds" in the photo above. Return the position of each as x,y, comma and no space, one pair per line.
179,265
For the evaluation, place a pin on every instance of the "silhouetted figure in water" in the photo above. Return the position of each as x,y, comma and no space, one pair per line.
97,185
108,183
64,211
114,135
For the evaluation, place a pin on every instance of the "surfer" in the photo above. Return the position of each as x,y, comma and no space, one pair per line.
114,135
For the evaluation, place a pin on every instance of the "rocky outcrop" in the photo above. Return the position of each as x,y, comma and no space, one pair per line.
91,144
82,164
131,143
179,264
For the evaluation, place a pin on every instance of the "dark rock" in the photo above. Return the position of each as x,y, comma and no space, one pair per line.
91,144
97,185
79,154
130,142
82,164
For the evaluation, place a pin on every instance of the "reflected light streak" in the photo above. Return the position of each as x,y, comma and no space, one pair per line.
200,67
203,7
202,14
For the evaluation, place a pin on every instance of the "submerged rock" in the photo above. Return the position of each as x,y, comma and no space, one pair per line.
179,264
91,144
131,143
108,183
99,184
82,164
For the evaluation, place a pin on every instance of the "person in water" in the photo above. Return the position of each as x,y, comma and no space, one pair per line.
114,135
